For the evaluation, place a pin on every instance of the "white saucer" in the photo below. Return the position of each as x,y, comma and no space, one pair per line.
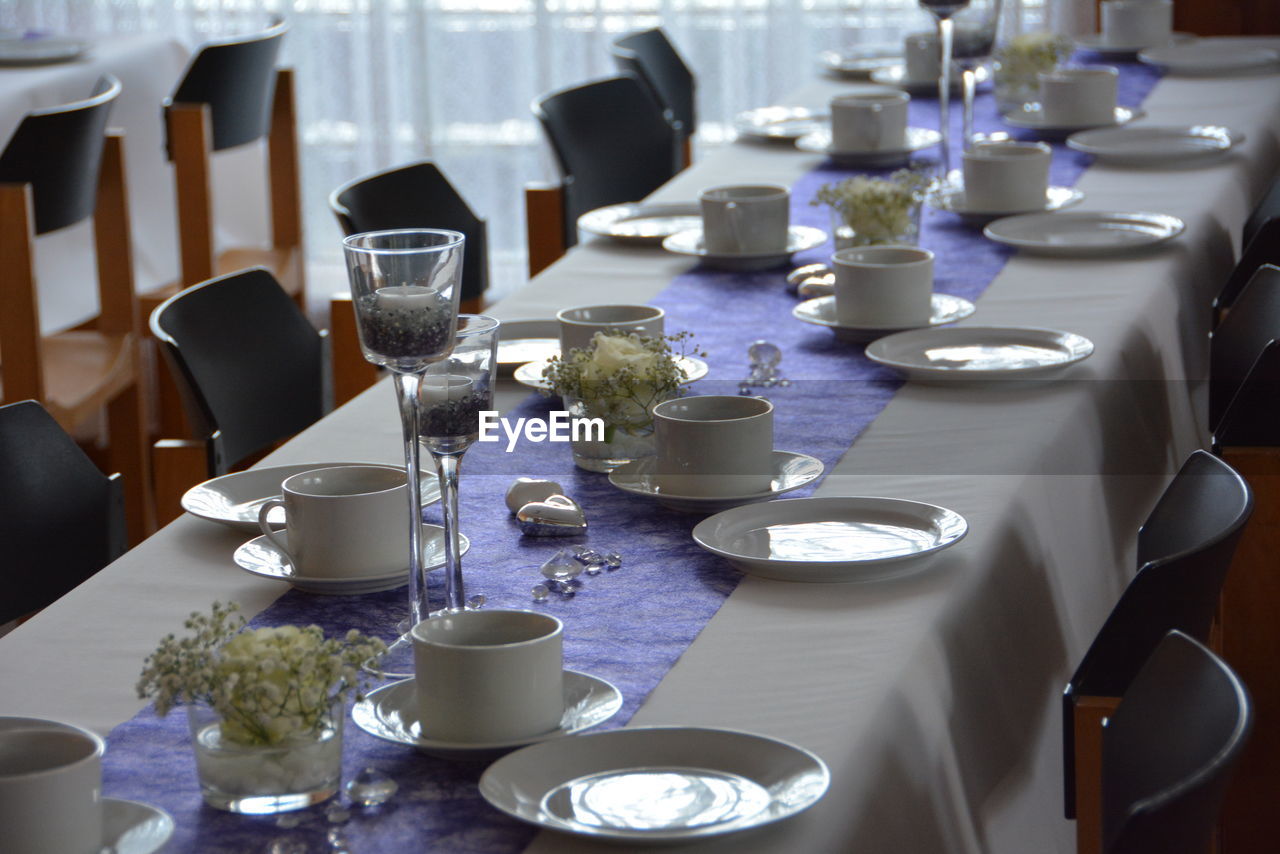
858,63
1087,234
830,539
1031,117
799,238
822,312
260,557
978,353
646,223
656,785
896,76
1213,58
131,827
390,713
918,139
1157,145
530,375
524,341
790,471
233,499
780,123
45,50
952,200
1097,43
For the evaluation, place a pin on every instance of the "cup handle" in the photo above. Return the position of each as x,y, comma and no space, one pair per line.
267,506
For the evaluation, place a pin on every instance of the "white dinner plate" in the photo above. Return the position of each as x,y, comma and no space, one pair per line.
1098,43
44,50
896,76
131,827
260,557
952,200
233,499
1031,117
799,239
822,312
524,341
780,123
1157,145
391,714
918,139
655,785
641,222
857,63
979,352
1203,58
1086,234
530,375
790,471
830,539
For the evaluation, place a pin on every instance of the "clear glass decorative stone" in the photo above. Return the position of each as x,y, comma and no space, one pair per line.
288,821
476,602
562,566
337,814
287,845
371,787
540,593
612,561
764,357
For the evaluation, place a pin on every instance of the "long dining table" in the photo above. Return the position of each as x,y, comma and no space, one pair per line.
934,697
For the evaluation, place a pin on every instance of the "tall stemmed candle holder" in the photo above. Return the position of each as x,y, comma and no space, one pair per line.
404,289
942,11
455,391
974,41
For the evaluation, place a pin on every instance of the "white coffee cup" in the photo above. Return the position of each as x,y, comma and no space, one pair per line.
1006,176
1079,97
869,121
713,445
579,325
883,287
922,59
343,521
50,788
745,218
1137,23
488,676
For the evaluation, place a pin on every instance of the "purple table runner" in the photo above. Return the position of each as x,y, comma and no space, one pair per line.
629,626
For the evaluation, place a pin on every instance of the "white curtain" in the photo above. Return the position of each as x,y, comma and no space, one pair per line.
382,82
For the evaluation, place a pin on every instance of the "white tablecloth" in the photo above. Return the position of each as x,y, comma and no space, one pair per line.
933,698
149,67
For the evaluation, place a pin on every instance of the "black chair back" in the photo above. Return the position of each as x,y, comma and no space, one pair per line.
1264,248
650,56
249,364
612,141
1267,210
1251,325
1198,521
61,520
236,78
1169,749
417,195
58,151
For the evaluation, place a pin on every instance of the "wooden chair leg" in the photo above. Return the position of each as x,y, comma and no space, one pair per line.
352,374
126,426
544,225
686,149
1090,712
190,135
20,316
283,170
179,464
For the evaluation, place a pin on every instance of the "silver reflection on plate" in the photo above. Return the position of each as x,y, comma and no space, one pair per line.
951,199
1031,117
390,713
1157,145
653,785
524,341
779,123
918,139
132,827
641,222
979,353
830,539
857,63
790,471
800,238
821,311
1087,234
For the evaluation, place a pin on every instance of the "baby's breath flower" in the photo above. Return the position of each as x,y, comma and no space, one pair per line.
267,684
1030,53
879,210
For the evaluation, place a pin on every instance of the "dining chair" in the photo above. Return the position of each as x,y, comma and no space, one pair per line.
1238,342
416,195
1262,250
61,519
1267,210
651,57
231,95
59,168
1184,547
250,368
1169,749
612,142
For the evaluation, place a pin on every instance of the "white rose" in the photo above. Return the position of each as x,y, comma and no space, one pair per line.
613,353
